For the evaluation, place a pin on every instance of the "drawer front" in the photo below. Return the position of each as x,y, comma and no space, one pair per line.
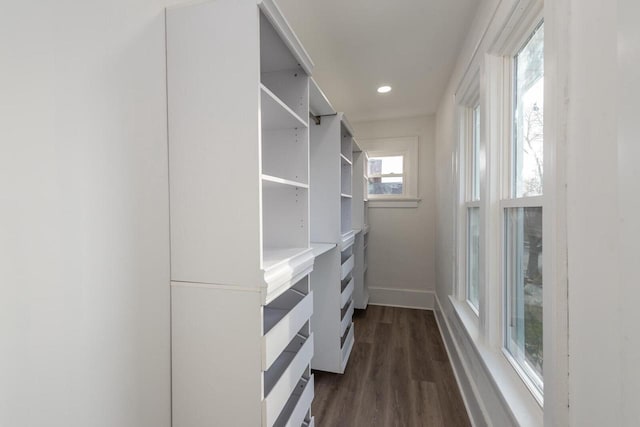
347,346
273,404
346,294
283,332
347,319
347,266
303,406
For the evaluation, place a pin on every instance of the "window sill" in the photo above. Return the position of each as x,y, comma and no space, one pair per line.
523,406
404,202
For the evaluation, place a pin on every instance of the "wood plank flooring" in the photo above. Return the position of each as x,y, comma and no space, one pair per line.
398,376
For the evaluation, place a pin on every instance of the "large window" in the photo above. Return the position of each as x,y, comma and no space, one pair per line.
522,208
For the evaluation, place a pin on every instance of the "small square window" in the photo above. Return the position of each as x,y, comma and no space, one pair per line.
386,175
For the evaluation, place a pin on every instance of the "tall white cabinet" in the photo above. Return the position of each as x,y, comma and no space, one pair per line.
238,93
360,221
332,235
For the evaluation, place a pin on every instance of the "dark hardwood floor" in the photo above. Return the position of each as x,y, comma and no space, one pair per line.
398,375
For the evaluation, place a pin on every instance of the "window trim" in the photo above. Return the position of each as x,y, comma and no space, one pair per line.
468,100
406,146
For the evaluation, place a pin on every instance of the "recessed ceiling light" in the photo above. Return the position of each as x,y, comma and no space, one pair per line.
384,89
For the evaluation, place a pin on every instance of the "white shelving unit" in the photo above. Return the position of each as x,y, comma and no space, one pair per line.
238,94
360,226
331,216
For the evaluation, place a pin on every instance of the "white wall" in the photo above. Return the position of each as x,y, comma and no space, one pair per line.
628,50
402,240
84,246
603,183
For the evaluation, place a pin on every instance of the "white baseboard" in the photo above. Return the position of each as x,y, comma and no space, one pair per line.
407,298
467,387
493,393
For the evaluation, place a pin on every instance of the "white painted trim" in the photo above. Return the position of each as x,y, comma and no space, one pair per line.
493,392
467,386
391,203
407,146
405,298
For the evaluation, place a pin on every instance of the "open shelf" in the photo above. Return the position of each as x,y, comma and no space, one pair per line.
346,143
344,159
347,239
285,154
274,180
284,220
272,257
345,214
276,114
321,248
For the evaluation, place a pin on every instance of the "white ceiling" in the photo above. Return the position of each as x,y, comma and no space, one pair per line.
359,45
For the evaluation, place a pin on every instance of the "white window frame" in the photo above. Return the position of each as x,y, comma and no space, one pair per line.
508,199
407,147
468,99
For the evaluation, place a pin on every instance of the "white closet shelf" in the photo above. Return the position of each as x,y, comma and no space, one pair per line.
346,196
347,240
283,267
270,180
321,248
276,114
344,159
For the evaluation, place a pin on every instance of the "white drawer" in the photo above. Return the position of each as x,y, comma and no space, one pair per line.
298,405
346,318
347,266
283,318
290,365
347,345
347,291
